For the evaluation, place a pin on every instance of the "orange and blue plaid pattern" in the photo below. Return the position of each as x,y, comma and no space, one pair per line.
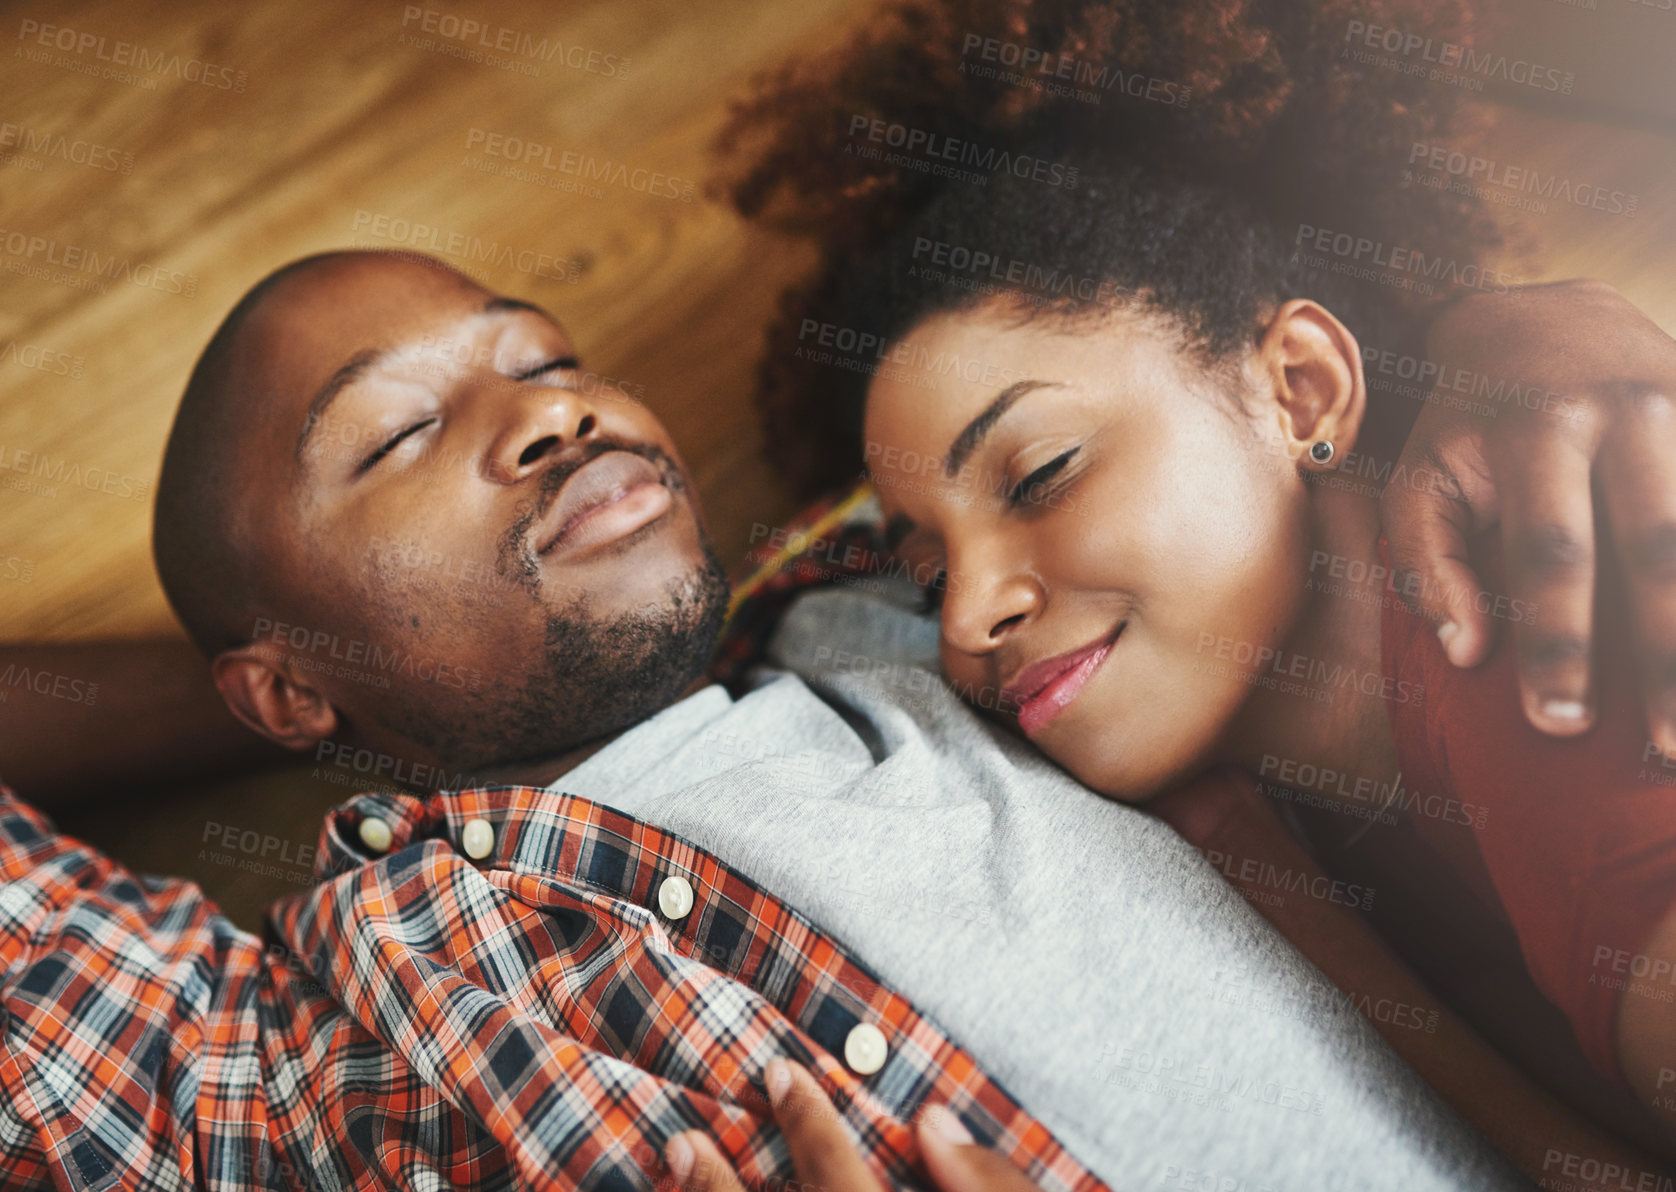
419,1019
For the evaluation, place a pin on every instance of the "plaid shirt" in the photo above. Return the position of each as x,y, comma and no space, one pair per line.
544,1015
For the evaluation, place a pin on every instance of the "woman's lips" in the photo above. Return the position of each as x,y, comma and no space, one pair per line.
1044,689
607,499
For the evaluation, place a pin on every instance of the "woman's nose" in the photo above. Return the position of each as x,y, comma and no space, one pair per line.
980,611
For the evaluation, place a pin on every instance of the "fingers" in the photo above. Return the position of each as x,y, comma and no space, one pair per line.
820,1148
1427,519
698,1165
957,1164
826,1158
1549,546
1638,476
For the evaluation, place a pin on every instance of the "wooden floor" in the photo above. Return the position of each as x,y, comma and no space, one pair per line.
350,129
324,125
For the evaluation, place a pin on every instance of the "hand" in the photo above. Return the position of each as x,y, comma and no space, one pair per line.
1598,380
825,1157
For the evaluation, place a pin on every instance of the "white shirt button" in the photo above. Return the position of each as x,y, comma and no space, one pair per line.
865,1049
675,897
478,839
375,834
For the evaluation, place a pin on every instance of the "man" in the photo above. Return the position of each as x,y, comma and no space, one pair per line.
532,984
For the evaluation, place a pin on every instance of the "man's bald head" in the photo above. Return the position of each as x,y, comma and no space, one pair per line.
390,512
202,527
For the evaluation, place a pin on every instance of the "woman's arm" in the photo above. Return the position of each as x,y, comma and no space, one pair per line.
75,718
1527,1124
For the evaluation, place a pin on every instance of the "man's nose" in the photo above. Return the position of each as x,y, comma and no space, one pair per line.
981,607
539,421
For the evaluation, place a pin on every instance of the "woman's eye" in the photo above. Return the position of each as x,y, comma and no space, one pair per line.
1030,490
391,444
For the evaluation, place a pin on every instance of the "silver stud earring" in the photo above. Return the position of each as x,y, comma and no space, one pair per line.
1321,451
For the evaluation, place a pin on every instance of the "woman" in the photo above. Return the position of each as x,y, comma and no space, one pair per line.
1110,397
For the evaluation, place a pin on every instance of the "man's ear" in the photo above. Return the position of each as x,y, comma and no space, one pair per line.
1315,367
262,694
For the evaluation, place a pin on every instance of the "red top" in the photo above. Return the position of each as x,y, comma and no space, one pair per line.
1572,841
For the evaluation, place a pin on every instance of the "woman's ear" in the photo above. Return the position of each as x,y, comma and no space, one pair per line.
1315,367
259,692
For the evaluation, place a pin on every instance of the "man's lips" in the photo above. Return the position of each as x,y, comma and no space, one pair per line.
607,498
1044,689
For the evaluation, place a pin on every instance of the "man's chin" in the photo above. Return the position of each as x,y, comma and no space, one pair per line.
601,673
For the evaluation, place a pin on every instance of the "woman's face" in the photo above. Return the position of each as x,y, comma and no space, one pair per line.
1113,528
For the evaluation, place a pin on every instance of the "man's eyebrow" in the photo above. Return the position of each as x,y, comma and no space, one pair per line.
967,440
356,367
362,362
498,304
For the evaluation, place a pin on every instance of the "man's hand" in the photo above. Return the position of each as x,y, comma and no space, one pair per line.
825,1158
1595,404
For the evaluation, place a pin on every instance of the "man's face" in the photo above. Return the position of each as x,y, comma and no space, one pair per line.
475,554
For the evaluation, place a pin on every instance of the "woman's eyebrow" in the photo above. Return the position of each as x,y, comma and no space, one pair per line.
968,439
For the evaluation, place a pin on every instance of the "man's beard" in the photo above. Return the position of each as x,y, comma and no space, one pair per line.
598,678
593,677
